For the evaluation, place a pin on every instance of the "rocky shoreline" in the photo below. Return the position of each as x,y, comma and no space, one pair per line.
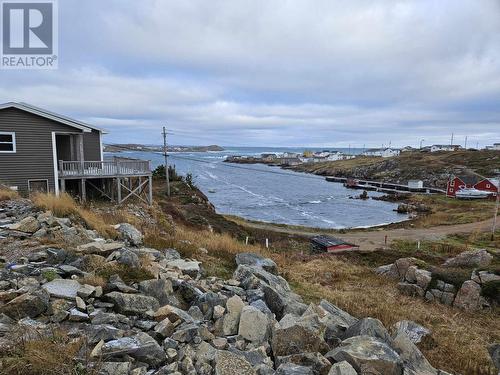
172,318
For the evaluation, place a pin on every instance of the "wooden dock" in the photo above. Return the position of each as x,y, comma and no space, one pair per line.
386,187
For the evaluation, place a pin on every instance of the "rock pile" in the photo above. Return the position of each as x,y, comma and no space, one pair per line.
180,322
415,281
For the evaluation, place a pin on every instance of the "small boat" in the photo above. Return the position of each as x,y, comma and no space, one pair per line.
212,191
471,193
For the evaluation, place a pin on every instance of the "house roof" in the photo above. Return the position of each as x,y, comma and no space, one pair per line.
328,241
51,116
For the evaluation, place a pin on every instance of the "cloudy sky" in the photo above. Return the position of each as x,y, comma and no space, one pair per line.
275,72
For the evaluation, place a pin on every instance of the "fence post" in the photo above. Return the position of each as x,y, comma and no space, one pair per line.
267,243
246,240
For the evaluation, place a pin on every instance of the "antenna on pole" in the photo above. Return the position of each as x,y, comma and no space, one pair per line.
451,144
465,143
166,162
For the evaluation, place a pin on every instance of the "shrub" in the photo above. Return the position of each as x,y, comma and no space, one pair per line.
491,290
7,194
49,275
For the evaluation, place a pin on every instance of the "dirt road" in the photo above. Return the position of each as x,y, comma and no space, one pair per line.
375,239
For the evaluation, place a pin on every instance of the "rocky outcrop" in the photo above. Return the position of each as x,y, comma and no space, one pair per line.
180,322
417,282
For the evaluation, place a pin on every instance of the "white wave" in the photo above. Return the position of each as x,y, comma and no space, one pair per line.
314,202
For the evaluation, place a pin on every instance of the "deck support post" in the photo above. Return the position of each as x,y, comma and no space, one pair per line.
63,185
150,190
118,190
83,190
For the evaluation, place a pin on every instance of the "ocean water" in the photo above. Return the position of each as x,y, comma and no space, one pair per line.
271,194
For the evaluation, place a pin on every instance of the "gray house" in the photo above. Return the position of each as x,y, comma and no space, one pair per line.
44,151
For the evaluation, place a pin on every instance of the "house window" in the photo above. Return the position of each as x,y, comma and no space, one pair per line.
7,142
452,183
488,186
38,186
451,190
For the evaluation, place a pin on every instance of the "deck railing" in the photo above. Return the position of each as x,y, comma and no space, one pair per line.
103,168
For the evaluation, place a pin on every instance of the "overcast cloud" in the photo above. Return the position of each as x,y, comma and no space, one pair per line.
275,72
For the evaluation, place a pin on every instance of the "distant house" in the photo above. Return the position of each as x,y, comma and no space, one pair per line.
41,151
415,184
496,147
289,161
382,152
408,149
329,244
437,148
269,157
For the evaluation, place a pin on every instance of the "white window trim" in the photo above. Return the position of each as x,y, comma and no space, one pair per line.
13,143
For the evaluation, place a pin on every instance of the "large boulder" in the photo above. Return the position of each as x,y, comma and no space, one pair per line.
297,335
132,304
402,265
411,356
368,327
254,325
342,368
231,320
30,304
62,288
473,258
227,363
293,369
187,267
409,289
142,347
414,331
130,234
28,225
469,297
368,355
315,361
159,288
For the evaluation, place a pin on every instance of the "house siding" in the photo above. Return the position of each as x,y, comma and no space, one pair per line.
33,159
92,146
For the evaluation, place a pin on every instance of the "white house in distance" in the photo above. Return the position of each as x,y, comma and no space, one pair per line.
496,147
437,148
382,152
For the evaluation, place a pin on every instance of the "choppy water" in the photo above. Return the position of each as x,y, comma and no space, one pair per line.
282,196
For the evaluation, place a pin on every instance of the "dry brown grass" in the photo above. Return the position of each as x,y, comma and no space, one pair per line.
7,194
65,206
42,353
459,340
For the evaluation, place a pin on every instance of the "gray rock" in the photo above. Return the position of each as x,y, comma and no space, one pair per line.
388,270
412,290
95,333
114,368
252,259
186,333
342,318
411,356
132,303
315,361
469,297
368,327
253,325
494,351
62,288
160,289
76,315
293,369
402,265
187,267
130,234
129,258
227,363
171,254
28,225
368,355
231,321
473,258
447,298
342,368
142,347
30,304
205,352
414,331
423,278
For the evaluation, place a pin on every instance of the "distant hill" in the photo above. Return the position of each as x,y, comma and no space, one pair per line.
139,147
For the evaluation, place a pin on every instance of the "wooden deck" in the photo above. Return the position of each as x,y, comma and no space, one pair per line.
103,169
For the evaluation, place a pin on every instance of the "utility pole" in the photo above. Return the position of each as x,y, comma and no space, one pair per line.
451,144
165,156
422,140
465,143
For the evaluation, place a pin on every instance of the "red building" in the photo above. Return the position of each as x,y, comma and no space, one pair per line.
328,244
456,183
488,184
